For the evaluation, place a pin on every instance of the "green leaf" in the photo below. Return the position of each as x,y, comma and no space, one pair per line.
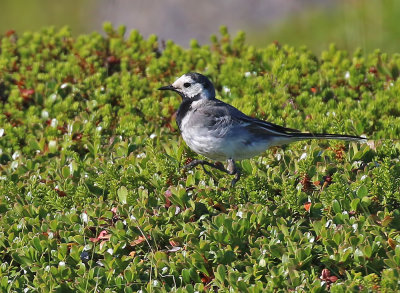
186,276
122,194
23,260
246,165
220,273
65,171
36,244
336,207
362,191
367,250
354,204
366,201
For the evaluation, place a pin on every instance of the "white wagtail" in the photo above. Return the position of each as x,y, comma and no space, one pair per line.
221,132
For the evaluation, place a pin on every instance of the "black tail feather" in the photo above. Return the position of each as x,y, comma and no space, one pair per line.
303,135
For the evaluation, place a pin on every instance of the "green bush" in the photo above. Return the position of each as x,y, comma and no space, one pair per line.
92,193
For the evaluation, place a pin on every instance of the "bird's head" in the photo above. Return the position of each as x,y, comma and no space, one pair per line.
192,85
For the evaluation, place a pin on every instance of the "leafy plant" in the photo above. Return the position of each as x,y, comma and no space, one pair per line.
93,195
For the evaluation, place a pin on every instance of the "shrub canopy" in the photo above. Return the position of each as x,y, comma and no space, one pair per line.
93,197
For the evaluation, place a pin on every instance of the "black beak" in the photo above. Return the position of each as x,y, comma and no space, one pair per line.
166,88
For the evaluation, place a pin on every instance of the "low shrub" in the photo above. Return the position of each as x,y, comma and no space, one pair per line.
93,197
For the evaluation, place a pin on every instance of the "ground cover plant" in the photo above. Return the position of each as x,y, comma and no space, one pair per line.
92,193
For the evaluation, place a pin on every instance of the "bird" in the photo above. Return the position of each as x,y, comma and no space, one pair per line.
221,132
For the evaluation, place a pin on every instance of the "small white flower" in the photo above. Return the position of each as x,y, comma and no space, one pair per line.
53,122
278,157
99,128
14,165
61,264
1,132
47,269
226,89
303,156
363,177
45,114
347,75
355,227
52,97
141,156
110,251
64,85
330,113
16,155
153,135
239,214
84,218
164,270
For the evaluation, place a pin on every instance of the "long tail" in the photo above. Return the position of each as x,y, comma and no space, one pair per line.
303,135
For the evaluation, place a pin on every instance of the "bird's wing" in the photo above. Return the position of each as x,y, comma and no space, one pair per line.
270,126
260,126
219,114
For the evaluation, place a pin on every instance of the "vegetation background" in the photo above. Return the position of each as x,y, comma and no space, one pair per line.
350,24
92,193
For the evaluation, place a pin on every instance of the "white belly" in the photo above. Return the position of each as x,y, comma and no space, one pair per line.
223,148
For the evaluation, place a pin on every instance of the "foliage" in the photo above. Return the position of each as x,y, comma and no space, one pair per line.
93,197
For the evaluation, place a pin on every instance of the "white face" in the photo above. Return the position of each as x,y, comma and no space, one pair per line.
187,86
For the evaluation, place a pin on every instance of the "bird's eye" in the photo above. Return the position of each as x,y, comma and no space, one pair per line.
186,84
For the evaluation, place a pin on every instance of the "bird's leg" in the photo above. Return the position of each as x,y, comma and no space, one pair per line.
195,163
232,169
